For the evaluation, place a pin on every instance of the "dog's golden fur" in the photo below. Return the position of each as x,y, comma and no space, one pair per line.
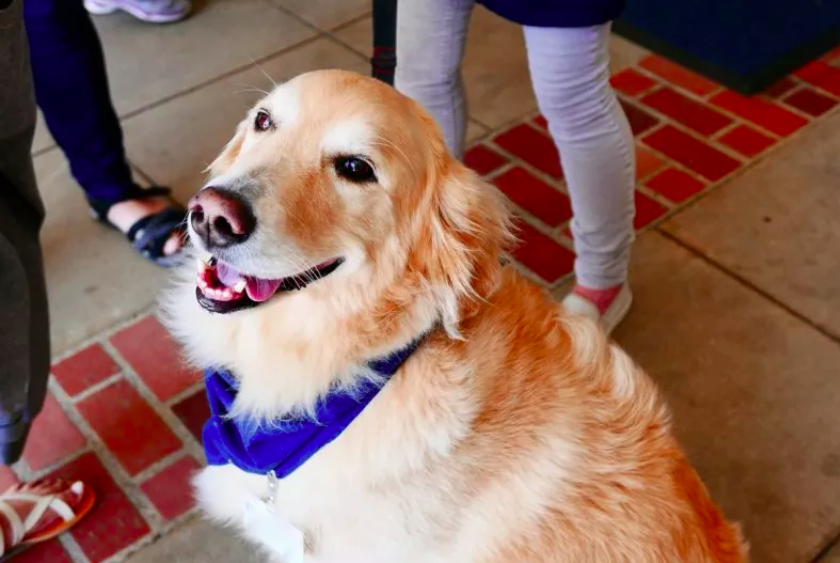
514,433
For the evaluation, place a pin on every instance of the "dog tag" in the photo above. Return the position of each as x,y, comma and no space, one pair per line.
273,530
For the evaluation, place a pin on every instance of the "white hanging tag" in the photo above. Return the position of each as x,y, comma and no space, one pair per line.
273,530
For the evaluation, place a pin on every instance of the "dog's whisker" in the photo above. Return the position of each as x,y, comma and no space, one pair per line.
251,90
245,87
259,67
300,263
309,269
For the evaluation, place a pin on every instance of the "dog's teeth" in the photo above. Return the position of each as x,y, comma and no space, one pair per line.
218,294
206,258
240,286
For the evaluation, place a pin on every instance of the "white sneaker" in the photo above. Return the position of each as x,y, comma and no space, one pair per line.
152,11
615,313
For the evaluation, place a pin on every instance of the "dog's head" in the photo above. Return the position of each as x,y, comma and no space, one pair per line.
338,186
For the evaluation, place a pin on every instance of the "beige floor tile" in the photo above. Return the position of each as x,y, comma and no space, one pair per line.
94,277
43,140
754,393
496,72
358,36
173,143
623,53
777,225
495,67
198,542
475,130
148,63
327,14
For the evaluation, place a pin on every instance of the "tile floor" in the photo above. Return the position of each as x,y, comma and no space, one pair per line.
735,269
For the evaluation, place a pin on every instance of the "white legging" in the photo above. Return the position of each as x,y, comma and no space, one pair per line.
570,74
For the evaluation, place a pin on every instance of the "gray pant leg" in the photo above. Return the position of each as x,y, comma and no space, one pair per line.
430,45
571,76
24,328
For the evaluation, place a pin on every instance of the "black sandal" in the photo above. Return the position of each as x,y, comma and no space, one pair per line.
151,233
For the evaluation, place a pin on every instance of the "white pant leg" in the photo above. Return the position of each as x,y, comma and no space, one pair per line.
570,72
430,45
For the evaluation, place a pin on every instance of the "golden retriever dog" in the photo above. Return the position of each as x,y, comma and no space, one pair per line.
336,229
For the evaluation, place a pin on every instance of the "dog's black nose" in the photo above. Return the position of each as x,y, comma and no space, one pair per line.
221,218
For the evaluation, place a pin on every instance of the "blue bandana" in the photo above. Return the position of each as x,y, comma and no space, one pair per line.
283,446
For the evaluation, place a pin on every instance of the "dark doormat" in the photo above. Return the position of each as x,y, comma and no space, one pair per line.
746,45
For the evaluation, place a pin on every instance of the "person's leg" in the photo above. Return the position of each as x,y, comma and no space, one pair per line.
71,87
24,330
430,45
570,72
24,327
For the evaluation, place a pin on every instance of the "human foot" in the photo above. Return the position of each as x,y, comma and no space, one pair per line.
35,512
125,214
152,11
152,221
607,307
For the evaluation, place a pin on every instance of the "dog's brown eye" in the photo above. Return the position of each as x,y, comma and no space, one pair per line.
263,122
355,169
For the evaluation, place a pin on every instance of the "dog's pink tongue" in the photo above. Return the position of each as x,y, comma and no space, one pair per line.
261,290
227,274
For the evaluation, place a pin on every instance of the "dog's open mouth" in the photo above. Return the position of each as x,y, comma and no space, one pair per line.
220,288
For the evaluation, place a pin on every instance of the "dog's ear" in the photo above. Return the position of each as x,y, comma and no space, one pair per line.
228,155
467,230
